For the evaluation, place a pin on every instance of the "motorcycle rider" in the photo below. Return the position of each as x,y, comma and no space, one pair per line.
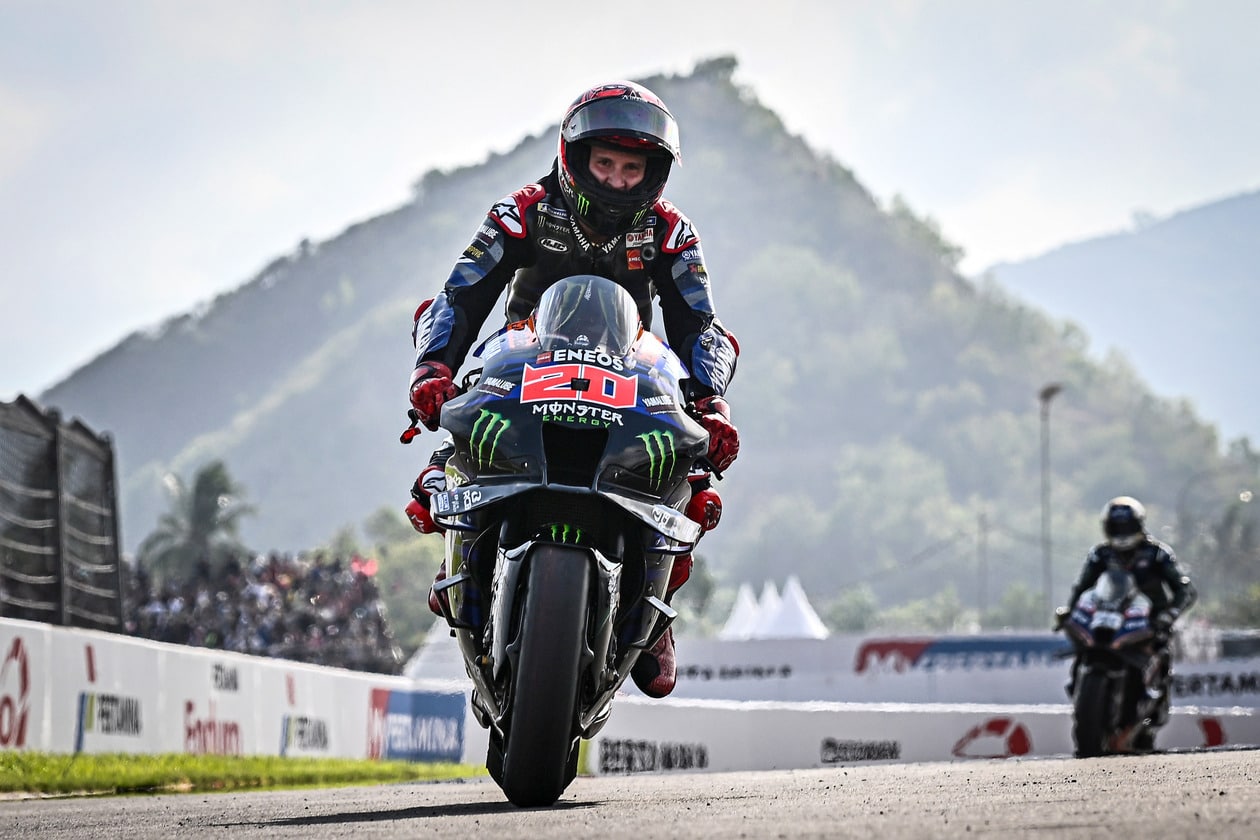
599,211
1154,567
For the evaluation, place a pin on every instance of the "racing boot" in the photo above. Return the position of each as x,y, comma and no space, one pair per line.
431,480
1069,688
705,506
434,606
656,670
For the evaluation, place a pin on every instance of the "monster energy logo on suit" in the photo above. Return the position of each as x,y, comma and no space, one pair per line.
661,455
485,436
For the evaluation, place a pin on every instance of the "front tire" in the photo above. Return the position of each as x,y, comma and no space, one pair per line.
1093,714
540,741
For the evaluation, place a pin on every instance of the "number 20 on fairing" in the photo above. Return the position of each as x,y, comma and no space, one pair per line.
555,382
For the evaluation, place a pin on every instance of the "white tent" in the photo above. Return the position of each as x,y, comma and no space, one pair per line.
743,617
767,605
795,618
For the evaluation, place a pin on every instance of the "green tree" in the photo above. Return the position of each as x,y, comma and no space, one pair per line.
854,610
940,613
201,525
1240,608
1020,608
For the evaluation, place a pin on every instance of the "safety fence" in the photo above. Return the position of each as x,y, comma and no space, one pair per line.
68,691
59,542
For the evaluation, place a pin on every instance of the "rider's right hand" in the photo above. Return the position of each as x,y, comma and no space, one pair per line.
431,388
715,415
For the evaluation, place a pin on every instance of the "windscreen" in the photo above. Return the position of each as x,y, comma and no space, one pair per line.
1113,588
587,313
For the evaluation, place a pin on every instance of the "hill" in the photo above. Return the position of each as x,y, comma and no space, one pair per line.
888,405
1176,296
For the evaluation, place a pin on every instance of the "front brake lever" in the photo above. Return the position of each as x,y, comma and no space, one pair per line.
411,432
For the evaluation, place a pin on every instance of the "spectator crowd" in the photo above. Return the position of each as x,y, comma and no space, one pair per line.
298,607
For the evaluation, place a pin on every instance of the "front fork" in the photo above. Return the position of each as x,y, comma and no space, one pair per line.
486,646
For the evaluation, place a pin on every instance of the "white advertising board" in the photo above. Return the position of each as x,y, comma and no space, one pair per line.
102,696
25,672
998,668
212,703
67,691
696,735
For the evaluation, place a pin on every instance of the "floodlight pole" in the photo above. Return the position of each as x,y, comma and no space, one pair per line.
1045,395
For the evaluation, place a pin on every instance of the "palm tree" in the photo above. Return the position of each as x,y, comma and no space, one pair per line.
200,526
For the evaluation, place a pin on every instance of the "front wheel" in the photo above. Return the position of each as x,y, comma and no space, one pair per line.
537,755
1093,715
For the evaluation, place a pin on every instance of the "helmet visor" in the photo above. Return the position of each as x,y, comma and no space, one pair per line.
624,117
1120,525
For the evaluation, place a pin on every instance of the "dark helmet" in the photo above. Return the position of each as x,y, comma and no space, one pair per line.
1124,522
617,114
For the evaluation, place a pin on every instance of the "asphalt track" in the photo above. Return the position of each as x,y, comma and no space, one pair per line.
1214,794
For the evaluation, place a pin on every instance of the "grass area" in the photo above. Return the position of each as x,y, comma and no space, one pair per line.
45,773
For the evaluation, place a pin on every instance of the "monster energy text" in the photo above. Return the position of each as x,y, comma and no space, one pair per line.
485,436
661,455
579,413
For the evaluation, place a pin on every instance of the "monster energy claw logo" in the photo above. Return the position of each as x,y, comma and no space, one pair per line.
583,204
485,436
565,533
661,455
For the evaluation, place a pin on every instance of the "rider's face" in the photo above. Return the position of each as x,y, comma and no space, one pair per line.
619,169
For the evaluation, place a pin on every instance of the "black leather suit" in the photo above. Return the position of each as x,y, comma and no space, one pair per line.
529,240
1154,568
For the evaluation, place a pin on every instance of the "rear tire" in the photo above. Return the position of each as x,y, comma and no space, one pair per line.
1093,714
541,739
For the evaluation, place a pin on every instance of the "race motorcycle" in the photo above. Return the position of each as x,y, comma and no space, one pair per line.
1120,674
563,515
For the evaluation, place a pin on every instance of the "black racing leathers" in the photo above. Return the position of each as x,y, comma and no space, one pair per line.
1154,568
529,240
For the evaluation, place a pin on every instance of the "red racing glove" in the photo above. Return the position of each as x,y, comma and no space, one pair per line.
431,387
715,415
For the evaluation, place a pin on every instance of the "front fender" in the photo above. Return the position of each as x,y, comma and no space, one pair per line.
450,507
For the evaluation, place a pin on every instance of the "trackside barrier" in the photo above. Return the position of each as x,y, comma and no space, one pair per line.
65,690
1005,668
719,735
996,668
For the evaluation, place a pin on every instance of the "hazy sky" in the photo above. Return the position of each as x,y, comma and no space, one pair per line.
154,153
